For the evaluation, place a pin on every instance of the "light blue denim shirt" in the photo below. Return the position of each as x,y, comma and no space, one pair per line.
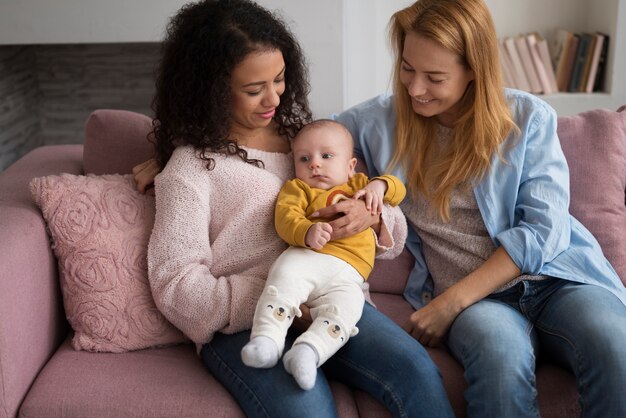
523,200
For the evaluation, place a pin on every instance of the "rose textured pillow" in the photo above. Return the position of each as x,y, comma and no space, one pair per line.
100,226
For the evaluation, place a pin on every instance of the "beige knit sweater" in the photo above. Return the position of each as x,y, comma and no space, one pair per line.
214,240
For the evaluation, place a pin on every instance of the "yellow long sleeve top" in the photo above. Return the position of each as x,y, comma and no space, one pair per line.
297,201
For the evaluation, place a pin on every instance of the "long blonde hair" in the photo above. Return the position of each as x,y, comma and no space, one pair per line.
464,27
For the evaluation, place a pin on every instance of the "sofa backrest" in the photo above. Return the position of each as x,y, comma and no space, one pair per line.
594,144
116,141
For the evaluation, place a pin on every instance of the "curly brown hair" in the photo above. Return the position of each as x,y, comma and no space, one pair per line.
203,44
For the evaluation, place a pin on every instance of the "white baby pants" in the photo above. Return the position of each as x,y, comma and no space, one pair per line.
330,286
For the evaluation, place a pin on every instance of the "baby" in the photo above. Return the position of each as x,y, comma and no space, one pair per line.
325,274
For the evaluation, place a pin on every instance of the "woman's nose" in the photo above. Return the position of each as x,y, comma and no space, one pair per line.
416,87
271,98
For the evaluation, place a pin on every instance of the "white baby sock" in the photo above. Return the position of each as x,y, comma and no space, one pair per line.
260,352
301,362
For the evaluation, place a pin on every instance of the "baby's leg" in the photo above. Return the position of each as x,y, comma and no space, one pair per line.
272,319
334,321
286,288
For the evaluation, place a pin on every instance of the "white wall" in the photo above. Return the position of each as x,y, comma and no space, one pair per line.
345,40
318,25
368,58
84,21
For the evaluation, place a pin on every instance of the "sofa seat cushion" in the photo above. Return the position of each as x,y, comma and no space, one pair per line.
160,382
167,382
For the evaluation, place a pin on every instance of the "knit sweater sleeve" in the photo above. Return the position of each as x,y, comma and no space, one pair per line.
393,228
393,232
179,265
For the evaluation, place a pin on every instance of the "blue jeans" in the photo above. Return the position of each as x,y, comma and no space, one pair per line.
582,327
382,360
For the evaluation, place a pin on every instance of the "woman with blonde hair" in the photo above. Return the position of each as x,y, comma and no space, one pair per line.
503,272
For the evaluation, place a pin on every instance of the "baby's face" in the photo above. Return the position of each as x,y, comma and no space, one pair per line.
323,157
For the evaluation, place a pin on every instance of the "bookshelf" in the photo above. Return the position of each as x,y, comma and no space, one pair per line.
514,17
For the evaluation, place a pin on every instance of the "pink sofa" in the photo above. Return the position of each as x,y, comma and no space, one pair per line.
41,375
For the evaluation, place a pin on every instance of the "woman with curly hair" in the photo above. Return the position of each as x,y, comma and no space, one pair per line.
231,93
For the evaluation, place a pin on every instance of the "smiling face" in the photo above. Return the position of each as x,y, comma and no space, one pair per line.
256,85
323,155
434,77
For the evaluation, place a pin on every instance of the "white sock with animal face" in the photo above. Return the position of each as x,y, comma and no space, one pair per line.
261,352
301,362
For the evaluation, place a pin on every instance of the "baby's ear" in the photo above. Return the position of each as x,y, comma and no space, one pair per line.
352,165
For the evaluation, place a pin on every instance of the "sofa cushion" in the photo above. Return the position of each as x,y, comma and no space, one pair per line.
389,276
166,382
116,141
159,382
594,143
100,227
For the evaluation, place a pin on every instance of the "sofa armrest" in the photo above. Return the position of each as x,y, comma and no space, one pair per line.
33,322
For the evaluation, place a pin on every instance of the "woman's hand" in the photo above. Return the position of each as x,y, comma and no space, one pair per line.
354,217
430,324
144,175
302,323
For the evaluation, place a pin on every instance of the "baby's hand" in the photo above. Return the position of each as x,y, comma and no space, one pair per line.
373,195
318,235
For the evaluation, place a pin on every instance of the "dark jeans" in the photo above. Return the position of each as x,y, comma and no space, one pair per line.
381,360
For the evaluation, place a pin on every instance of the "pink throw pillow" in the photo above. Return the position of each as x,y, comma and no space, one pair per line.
100,226
594,143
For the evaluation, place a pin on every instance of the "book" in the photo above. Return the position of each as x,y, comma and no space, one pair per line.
520,75
544,53
527,64
598,84
595,60
537,61
508,74
587,66
566,62
558,44
562,51
579,62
